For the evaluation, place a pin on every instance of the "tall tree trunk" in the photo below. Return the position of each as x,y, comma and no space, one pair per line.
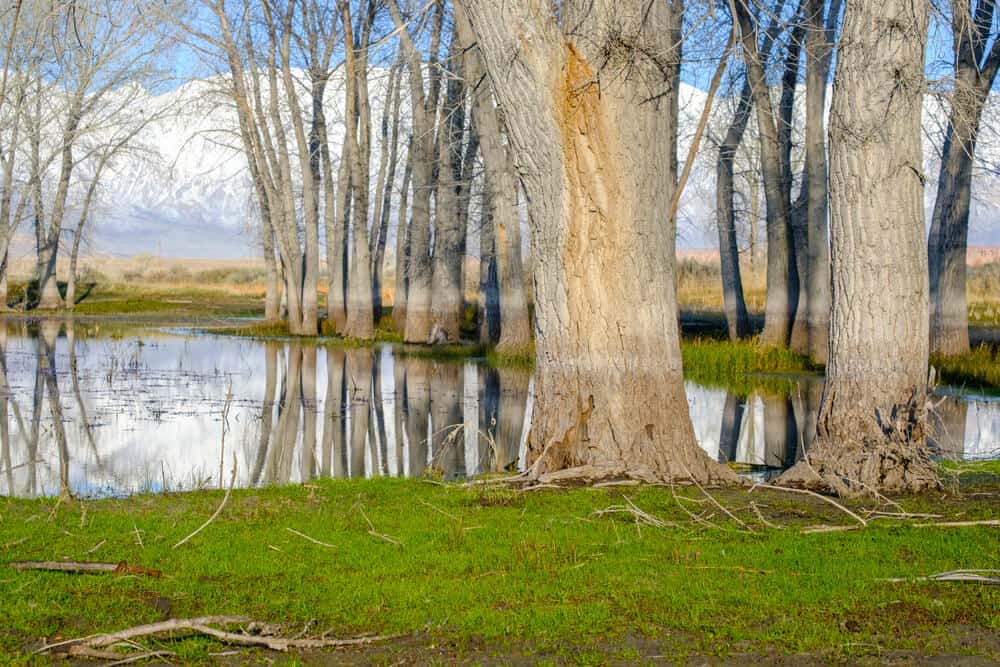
734,303
489,279
975,70
500,194
610,392
799,337
819,55
402,246
390,153
872,423
272,288
447,293
423,106
360,318
780,304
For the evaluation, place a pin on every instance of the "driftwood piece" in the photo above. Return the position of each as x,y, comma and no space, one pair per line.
84,567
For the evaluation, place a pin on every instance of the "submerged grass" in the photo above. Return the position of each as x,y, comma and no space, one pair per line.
478,573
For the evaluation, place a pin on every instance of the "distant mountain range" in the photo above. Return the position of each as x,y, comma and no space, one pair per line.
187,194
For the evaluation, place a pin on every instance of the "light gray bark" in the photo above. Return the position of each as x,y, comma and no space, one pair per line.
780,301
610,394
423,106
799,337
500,196
820,37
402,246
975,71
872,430
360,315
447,297
390,155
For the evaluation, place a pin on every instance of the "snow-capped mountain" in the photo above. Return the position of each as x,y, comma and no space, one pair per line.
186,193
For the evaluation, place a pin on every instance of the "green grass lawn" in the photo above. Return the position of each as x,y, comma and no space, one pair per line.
492,573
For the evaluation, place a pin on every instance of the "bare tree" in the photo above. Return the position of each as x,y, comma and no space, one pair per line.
976,69
820,35
360,314
581,98
389,156
500,195
781,271
94,50
872,424
737,318
423,107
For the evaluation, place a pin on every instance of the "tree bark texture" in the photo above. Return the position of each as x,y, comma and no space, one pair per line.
872,425
579,113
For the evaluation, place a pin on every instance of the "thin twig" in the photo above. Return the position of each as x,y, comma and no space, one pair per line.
807,492
375,533
218,510
306,537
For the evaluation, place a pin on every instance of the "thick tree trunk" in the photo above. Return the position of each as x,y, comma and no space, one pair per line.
610,393
272,285
872,426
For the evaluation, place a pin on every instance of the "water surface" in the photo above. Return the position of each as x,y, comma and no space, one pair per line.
171,410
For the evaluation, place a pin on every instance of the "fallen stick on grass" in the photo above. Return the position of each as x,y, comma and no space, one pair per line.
973,576
202,626
83,567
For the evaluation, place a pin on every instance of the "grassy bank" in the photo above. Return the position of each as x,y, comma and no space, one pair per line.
976,369
477,574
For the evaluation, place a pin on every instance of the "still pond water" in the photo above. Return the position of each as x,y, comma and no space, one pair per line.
147,412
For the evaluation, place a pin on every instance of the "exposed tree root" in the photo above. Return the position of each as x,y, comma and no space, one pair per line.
892,465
